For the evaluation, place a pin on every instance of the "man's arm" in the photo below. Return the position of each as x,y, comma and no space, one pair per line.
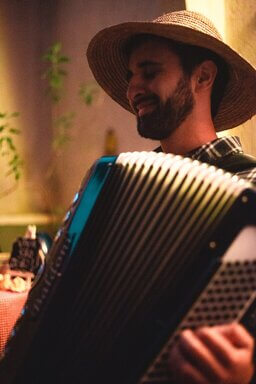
213,355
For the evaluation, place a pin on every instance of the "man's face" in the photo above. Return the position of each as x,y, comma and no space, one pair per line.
158,91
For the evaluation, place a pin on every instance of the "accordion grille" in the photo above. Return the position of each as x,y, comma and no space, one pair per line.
154,212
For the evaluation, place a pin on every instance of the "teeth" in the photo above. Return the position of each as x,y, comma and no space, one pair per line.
143,106
143,103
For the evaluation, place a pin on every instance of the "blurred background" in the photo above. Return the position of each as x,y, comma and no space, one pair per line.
54,119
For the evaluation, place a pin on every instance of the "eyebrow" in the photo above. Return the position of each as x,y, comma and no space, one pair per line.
146,63
143,64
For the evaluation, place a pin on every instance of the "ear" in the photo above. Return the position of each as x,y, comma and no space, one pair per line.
204,75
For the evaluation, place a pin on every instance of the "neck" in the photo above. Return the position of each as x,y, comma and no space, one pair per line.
191,134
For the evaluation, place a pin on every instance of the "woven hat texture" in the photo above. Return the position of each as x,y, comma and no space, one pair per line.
107,61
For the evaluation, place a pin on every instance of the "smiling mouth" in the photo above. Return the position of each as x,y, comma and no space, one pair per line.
144,107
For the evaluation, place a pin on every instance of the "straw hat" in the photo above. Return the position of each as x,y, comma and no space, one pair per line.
107,61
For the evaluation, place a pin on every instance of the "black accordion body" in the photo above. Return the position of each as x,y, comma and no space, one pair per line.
152,244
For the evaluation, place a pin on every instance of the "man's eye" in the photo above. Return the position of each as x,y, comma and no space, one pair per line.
150,75
128,76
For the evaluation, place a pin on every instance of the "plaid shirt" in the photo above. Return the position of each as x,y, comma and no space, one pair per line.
220,148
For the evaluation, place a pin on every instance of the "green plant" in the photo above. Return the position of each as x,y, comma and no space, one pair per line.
62,126
55,75
8,148
88,92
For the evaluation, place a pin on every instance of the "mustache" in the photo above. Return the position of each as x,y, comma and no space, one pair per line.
144,98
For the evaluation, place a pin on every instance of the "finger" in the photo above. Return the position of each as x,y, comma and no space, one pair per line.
220,340
200,355
236,334
219,345
182,371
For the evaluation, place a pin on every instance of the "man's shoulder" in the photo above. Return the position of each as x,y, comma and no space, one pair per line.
241,164
248,175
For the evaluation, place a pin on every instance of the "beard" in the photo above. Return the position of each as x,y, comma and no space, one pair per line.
167,116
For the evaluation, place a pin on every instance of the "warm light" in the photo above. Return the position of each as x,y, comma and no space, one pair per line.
13,196
214,10
235,20
7,92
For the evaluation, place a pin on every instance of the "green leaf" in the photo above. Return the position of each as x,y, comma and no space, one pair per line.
14,131
10,143
55,74
4,126
7,146
88,99
88,92
14,160
63,59
47,57
15,114
56,48
56,82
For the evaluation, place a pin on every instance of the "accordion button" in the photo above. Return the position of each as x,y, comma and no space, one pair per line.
75,198
58,234
67,217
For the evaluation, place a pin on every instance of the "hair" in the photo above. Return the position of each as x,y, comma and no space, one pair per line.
190,57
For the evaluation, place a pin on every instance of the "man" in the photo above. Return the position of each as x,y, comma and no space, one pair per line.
184,84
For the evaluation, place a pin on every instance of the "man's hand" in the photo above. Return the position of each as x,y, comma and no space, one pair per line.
213,355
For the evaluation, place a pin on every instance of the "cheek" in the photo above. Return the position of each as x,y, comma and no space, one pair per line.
169,85
165,92
164,86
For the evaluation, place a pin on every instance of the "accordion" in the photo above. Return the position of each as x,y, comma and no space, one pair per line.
153,243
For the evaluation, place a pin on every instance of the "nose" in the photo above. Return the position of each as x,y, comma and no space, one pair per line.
136,87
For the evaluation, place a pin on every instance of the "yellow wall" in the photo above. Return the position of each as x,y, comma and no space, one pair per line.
241,35
236,21
26,32
13,195
214,10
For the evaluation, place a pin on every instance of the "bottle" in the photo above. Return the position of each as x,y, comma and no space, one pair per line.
110,146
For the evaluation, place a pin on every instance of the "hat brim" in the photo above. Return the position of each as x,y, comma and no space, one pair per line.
108,63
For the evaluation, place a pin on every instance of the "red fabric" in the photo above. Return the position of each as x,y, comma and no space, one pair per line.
11,304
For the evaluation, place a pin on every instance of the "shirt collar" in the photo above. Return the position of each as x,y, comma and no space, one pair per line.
216,149
213,150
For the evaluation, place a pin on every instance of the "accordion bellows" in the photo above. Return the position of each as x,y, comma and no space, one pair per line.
149,246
